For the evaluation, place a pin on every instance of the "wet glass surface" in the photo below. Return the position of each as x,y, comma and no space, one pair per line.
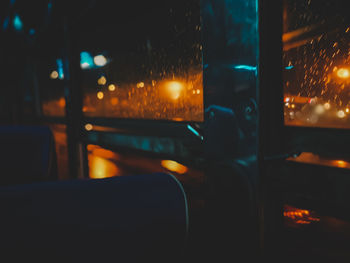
316,56
142,60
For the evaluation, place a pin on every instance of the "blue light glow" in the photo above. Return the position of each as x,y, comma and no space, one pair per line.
49,9
245,67
289,67
17,23
86,60
59,63
31,31
194,131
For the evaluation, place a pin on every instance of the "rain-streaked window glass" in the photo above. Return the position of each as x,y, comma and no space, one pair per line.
142,60
316,60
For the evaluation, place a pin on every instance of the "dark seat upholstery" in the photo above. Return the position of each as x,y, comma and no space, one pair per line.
122,219
27,154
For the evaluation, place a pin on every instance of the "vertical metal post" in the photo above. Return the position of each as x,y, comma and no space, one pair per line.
270,100
74,98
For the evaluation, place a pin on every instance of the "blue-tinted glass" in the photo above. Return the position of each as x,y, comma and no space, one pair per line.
230,48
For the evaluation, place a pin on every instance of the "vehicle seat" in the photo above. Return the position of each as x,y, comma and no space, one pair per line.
123,219
27,154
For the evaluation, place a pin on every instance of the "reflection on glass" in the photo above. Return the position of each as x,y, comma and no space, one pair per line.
295,217
151,67
230,45
101,168
104,163
311,158
174,166
316,58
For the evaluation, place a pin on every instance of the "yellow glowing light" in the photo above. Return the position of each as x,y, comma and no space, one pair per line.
341,163
101,168
327,106
88,127
54,74
174,89
140,85
111,87
347,110
299,216
293,106
174,166
343,73
100,95
178,119
320,109
102,80
100,60
198,91
341,114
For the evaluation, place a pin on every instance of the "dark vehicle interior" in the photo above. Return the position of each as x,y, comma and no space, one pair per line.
174,131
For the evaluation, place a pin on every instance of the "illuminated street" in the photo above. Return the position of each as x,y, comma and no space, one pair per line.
176,100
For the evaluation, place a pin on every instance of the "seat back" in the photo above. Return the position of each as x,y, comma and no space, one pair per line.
27,154
124,219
